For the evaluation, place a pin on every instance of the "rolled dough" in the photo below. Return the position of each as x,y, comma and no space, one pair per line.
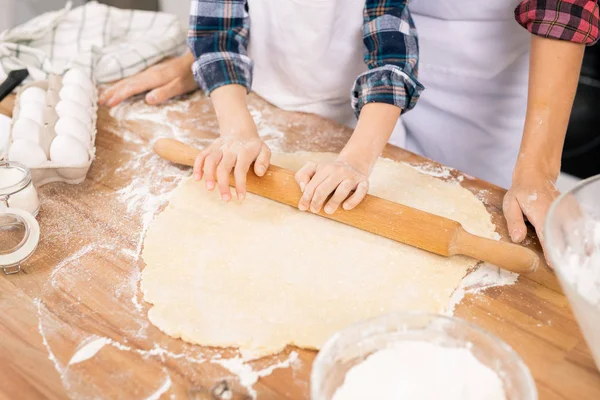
261,275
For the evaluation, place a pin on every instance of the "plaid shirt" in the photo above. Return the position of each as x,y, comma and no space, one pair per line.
220,29
573,20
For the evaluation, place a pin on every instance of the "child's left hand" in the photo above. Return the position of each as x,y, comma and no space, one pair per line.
341,177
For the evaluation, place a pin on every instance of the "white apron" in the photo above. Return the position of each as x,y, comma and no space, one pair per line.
473,64
307,54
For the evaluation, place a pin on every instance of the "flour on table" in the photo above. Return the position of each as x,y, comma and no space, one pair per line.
262,275
421,371
89,350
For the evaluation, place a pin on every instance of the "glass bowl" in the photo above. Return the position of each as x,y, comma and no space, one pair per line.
353,345
572,239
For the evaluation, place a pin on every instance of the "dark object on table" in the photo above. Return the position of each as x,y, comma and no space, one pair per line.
581,155
148,5
13,80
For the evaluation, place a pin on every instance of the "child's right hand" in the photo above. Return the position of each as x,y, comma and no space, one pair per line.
237,148
234,152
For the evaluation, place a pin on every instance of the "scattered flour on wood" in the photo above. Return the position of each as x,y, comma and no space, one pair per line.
247,375
163,389
88,350
484,277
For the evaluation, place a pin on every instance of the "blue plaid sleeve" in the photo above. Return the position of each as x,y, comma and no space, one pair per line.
218,37
391,53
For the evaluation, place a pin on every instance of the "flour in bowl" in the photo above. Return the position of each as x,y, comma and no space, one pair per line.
582,265
421,371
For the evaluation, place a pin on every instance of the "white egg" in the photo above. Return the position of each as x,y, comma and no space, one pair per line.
27,129
33,94
27,152
68,108
77,94
77,77
34,111
68,151
69,126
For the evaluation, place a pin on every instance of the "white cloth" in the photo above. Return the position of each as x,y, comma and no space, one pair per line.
307,54
474,63
111,42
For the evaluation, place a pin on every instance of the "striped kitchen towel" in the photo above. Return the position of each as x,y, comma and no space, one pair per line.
108,42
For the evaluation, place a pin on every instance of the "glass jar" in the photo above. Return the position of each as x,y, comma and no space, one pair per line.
19,204
16,188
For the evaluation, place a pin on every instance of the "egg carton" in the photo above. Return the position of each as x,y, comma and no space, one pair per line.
50,171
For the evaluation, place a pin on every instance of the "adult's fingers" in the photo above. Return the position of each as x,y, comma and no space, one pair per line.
514,218
210,168
176,87
310,188
132,86
304,174
109,92
536,212
223,170
262,160
341,193
240,174
359,194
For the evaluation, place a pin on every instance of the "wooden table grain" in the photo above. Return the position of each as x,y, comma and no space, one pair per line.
81,284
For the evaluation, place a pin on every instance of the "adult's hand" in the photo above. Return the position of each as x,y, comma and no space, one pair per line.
163,81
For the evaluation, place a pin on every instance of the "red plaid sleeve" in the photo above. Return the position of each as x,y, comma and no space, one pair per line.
573,20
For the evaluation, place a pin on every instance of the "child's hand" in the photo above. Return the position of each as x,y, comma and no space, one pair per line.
231,153
165,80
531,195
318,181
237,148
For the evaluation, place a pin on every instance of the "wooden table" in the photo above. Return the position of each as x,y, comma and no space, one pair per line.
82,282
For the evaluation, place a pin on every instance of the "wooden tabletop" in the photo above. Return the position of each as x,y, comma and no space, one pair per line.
82,283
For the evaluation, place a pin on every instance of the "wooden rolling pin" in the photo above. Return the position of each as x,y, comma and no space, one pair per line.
394,221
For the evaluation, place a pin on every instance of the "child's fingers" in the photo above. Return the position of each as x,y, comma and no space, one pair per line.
210,168
358,196
199,165
223,170
305,173
310,188
514,218
327,187
240,173
341,193
262,160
